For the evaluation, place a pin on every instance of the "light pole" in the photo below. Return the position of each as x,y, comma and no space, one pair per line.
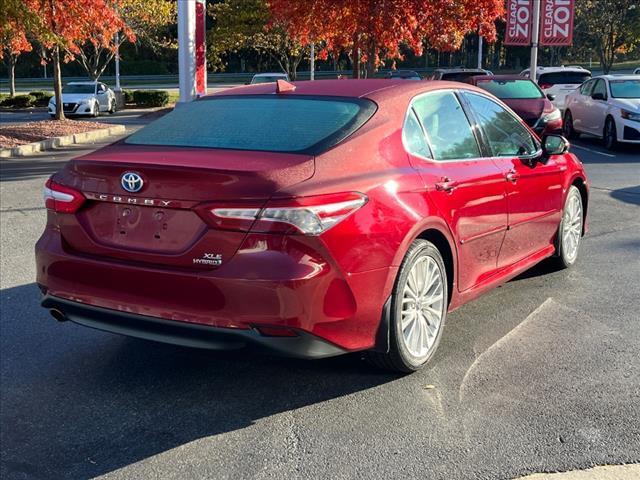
312,73
535,38
186,49
479,51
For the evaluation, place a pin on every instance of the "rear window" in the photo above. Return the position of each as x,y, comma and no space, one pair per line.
511,89
553,78
460,76
295,124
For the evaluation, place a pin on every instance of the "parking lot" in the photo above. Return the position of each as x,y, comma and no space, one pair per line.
540,375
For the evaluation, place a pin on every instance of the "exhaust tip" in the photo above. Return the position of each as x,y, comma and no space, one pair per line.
58,315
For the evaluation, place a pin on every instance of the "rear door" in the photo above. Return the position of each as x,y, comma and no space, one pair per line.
468,190
534,189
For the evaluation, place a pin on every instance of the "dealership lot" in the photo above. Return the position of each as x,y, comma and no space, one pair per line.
541,374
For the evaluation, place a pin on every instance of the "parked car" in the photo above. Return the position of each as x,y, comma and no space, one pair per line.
525,98
607,106
404,75
229,221
636,71
85,98
268,77
458,74
559,81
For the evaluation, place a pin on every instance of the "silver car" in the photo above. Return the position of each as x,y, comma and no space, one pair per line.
85,99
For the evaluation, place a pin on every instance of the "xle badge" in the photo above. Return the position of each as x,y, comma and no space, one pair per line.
209,259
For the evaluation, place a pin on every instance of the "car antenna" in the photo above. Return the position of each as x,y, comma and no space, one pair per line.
283,86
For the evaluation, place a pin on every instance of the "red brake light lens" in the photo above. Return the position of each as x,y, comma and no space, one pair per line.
301,215
62,199
544,86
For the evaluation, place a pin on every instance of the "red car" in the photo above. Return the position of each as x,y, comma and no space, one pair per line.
525,98
324,218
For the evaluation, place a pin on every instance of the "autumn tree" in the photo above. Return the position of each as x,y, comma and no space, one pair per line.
144,21
246,25
372,31
63,24
614,29
14,43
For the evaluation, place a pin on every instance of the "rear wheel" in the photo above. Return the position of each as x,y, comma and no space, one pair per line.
418,310
609,135
567,126
570,229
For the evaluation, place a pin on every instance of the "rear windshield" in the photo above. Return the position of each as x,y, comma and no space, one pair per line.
300,124
511,89
79,89
461,76
576,78
625,88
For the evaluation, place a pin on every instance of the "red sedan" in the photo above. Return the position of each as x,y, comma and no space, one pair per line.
525,98
312,220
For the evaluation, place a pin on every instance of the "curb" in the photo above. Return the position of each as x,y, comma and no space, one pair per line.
51,143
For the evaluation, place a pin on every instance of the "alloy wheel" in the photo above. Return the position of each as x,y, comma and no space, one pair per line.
422,306
572,228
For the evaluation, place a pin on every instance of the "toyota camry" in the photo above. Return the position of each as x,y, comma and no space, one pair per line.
309,219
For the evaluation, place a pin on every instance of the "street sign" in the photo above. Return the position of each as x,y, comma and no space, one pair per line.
519,14
556,22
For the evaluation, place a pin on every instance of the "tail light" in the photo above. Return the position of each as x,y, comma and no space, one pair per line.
302,215
62,199
544,86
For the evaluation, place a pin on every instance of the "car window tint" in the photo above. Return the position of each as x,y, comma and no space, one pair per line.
600,87
563,78
274,123
511,89
585,89
625,88
413,136
506,134
447,126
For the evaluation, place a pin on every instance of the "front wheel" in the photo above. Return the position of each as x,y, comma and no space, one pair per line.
570,229
418,310
112,107
610,136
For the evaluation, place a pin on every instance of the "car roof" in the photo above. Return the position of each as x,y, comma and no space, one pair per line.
500,77
83,83
379,90
627,76
562,68
461,70
274,74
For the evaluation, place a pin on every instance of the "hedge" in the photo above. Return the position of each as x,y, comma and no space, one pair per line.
19,101
41,97
150,98
127,96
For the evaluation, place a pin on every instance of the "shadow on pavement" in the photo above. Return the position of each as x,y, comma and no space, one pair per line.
627,195
77,403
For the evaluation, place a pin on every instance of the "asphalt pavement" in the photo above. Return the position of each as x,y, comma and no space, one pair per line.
540,375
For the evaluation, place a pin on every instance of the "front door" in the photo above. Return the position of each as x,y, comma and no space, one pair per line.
468,190
534,189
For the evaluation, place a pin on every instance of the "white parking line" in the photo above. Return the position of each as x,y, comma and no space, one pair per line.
592,151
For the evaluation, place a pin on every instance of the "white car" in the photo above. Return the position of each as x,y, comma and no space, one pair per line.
558,82
607,106
85,98
269,77
636,71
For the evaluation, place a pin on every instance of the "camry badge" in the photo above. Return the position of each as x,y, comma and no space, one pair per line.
131,182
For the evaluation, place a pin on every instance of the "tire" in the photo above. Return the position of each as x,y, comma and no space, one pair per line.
96,110
567,126
570,229
609,134
411,347
112,107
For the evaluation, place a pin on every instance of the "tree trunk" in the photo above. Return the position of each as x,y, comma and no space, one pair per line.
372,52
57,83
355,60
12,75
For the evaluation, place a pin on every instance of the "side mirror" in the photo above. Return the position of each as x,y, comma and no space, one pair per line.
551,97
598,96
554,145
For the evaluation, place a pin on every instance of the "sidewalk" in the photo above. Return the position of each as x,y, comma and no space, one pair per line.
609,472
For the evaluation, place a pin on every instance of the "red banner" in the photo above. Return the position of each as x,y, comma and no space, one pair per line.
556,22
201,60
519,13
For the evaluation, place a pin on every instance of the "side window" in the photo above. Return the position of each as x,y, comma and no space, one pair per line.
585,89
447,126
600,87
413,136
506,135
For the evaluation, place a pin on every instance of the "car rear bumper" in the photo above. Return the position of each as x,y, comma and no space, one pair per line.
300,345
287,283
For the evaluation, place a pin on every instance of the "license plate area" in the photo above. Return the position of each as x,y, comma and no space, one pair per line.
147,229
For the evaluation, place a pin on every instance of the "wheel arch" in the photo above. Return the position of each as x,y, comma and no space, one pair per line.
580,184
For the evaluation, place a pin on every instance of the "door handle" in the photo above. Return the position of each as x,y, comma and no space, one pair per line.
446,185
512,176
